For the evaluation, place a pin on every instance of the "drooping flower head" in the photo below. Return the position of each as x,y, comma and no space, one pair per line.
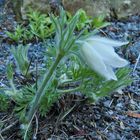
99,54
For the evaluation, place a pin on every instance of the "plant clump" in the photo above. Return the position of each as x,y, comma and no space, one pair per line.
70,64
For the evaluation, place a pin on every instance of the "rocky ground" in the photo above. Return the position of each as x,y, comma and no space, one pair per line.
112,118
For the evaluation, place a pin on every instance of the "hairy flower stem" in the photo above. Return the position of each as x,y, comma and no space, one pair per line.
13,86
41,91
69,90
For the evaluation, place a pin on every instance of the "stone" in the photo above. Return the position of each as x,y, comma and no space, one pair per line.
117,9
111,8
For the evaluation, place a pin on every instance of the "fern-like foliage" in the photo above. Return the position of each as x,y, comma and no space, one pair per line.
20,54
4,101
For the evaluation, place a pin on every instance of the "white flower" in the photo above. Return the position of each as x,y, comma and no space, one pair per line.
99,54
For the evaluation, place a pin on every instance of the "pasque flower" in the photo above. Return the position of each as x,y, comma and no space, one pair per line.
99,54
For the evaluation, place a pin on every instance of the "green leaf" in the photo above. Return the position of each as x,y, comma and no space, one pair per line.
10,71
21,56
98,22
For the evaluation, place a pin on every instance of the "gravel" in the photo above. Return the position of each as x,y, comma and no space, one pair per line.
108,119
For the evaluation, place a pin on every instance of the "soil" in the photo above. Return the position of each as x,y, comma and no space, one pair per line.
112,118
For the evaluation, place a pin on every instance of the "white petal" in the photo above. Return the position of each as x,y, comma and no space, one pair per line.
107,41
111,75
94,60
108,55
